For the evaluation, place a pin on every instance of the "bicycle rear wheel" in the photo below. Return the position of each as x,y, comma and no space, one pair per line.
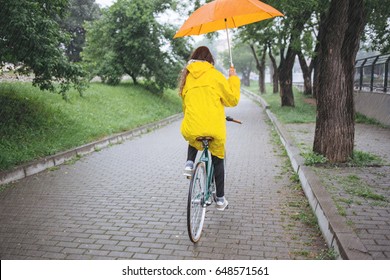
196,209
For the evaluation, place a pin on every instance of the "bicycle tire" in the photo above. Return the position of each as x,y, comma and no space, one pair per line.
196,210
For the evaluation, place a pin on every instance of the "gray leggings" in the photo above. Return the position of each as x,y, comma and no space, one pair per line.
219,170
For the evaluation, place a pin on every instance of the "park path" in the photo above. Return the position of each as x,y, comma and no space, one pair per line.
128,201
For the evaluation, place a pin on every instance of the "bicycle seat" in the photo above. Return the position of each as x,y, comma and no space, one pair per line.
202,138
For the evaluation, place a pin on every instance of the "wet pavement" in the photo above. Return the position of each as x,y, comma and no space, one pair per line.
351,203
361,195
128,201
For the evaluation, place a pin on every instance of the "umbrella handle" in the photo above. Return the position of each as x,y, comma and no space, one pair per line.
228,41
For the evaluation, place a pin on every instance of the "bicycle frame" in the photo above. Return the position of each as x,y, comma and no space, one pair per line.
206,158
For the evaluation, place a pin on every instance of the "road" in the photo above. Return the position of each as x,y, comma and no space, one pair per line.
128,201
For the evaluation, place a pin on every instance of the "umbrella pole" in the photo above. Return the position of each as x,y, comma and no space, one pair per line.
228,41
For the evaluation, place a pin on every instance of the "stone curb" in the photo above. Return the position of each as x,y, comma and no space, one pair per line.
42,164
334,227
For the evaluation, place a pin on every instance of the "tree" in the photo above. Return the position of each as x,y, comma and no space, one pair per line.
297,13
133,42
376,36
79,12
274,69
324,6
261,36
260,65
306,71
306,54
243,61
285,33
339,43
31,36
378,25
99,58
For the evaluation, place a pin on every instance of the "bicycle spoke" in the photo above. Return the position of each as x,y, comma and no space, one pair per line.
195,208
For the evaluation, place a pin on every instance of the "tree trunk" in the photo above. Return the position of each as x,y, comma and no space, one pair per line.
287,63
317,52
285,78
132,75
316,67
275,73
306,70
261,68
134,78
246,72
339,43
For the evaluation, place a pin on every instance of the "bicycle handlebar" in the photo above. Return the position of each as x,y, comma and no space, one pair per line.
230,119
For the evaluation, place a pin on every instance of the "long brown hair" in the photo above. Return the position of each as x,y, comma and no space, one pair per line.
201,53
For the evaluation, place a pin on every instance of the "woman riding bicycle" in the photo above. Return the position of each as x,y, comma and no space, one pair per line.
205,92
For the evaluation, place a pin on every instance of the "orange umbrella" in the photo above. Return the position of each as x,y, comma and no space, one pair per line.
224,14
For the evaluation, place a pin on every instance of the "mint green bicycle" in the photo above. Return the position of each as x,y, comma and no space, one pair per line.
202,191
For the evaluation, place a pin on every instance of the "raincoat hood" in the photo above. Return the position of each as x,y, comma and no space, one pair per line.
198,67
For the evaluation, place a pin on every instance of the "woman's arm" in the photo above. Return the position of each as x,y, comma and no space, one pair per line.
230,88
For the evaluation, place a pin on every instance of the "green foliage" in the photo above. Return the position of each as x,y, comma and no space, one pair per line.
329,254
79,11
34,124
32,38
360,158
360,118
303,112
353,185
98,56
312,158
294,177
308,42
378,25
128,39
5,187
297,14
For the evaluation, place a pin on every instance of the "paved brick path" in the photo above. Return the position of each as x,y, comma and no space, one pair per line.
129,202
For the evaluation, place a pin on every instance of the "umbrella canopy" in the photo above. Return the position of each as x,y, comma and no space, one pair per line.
224,14
219,14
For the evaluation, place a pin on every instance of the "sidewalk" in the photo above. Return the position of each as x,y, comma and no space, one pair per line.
352,204
128,201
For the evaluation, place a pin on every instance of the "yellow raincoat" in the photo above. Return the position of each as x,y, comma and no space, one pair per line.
205,94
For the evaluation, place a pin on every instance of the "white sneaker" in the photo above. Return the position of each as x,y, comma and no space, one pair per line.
188,169
222,203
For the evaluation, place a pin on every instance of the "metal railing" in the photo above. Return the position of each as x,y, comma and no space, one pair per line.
372,74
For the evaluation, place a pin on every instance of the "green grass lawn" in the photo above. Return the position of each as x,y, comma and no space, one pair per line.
303,112
35,124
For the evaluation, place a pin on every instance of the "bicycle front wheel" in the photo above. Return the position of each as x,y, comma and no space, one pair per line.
196,209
